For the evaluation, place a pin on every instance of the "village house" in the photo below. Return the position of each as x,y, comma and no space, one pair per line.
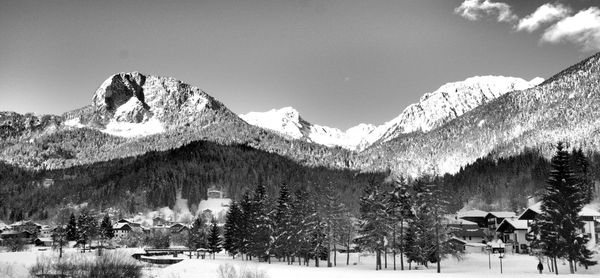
513,233
124,227
589,215
470,233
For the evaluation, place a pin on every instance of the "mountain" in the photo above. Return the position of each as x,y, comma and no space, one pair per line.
287,122
131,114
566,107
434,109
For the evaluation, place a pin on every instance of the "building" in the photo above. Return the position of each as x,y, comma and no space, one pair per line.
123,229
514,232
469,233
589,215
475,216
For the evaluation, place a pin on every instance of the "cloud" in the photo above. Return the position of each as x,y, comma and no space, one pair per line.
582,29
546,13
478,9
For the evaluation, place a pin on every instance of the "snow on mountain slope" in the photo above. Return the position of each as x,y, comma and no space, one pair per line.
433,110
135,105
287,122
447,103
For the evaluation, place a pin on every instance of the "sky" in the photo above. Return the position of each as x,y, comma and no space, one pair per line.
339,63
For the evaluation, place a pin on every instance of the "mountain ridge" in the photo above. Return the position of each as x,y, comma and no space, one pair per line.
433,110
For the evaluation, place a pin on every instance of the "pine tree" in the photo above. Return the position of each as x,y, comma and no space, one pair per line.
214,238
301,225
261,243
581,169
399,209
373,221
559,226
281,224
233,233
331,211
87,228
197,237
72,228
246,228
106,230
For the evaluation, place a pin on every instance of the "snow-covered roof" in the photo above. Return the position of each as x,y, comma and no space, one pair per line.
501,214
588,210
516,224
472,213
120,225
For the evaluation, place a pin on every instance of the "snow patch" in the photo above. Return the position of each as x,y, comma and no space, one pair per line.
130,130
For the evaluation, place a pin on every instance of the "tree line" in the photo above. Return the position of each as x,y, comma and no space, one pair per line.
397,217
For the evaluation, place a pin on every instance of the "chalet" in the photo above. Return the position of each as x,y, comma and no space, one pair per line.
28,226
514,232
46,231
494,218
178,228
470,233
159,221
8,235
475,216
124,229
43,241
588,214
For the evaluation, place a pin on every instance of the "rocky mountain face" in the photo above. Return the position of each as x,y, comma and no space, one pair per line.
132,114
433,110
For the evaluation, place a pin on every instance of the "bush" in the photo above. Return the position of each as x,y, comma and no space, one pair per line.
114,264
159,239
15,244
245,271
133,239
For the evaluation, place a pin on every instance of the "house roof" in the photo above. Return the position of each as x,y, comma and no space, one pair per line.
472,213
512,223
535,209
121,226
500,214
465,230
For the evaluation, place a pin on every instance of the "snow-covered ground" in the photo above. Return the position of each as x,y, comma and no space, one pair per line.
472,265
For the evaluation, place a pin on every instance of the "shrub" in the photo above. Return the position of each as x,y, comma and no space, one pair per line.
133,239
245,271
15,244
114,264
159,239
226,271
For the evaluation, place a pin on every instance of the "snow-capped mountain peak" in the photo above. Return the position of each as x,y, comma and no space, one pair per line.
433,110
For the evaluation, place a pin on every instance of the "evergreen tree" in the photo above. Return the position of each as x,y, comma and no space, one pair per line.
559,226
373,221
246,224
581,169
87,228
72,228
261,243
331,211
197,237
399,209
420,238
214,238
233,232
281,224
106,230
301,224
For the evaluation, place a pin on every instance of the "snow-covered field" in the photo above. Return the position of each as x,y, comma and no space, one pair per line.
472,265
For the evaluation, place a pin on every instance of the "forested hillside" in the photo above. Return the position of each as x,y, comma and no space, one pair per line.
152,180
